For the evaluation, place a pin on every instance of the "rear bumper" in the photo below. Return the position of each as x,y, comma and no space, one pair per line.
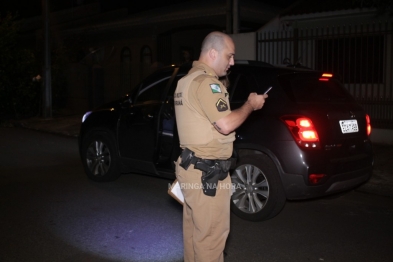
296,188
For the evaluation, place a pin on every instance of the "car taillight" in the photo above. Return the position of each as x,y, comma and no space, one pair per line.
368,122
325,77
303,130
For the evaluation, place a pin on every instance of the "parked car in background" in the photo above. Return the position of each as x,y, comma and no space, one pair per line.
311,138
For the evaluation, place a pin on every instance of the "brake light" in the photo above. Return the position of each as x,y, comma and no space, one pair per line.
325,77
307,131
315,179
303,130
368,123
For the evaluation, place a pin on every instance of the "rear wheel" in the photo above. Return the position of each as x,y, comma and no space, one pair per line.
259,194
99,157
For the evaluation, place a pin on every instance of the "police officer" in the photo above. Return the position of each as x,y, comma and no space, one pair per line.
206,131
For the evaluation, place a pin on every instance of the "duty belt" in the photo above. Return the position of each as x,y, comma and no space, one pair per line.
212,170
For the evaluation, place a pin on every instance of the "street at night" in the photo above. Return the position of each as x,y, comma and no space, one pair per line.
50,211
93,88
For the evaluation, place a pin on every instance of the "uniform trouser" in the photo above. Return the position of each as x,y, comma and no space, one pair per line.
205,218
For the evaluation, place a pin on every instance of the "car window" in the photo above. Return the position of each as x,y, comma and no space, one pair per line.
242,86
306,89
152,88
244,81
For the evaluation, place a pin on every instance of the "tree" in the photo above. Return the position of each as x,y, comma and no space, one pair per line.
19,95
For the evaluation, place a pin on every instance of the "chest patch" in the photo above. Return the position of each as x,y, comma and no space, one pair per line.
221,105
215,88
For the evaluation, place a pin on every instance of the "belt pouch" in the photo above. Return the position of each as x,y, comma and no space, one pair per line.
186,156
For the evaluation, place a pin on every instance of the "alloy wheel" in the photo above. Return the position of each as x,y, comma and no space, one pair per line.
98,158
251,188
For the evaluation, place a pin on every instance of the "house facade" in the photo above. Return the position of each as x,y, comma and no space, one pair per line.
352,43
108,53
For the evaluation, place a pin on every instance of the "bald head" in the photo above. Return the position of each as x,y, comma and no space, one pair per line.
218,52
214,40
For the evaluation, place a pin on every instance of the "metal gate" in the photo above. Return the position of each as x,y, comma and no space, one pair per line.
361,55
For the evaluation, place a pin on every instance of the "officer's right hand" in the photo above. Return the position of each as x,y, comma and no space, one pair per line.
256,101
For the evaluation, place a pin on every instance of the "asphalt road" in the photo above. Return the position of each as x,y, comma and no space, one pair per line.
50,211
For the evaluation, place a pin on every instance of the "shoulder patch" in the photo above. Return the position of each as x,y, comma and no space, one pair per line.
221,105
215,88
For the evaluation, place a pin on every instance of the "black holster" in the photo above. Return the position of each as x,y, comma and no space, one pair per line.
212,170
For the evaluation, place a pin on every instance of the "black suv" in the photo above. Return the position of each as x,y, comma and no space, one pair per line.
310,139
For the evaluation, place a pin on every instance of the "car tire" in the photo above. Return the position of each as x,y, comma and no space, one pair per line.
100,157
258,192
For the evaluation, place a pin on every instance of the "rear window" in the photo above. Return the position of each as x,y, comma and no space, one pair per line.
306,88
244,81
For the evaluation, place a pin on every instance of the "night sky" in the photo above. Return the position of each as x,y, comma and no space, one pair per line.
29,8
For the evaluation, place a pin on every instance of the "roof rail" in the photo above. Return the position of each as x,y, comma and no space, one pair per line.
253,62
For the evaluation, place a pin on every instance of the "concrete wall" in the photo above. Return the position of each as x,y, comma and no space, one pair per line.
245,44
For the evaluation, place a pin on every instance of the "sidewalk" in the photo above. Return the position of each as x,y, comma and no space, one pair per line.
381,182
64,125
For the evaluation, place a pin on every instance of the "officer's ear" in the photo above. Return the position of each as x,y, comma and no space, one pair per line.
213,54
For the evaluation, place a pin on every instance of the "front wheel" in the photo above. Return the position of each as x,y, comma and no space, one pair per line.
99,157
259,194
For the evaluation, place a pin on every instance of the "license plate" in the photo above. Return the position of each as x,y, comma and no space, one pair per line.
349,126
